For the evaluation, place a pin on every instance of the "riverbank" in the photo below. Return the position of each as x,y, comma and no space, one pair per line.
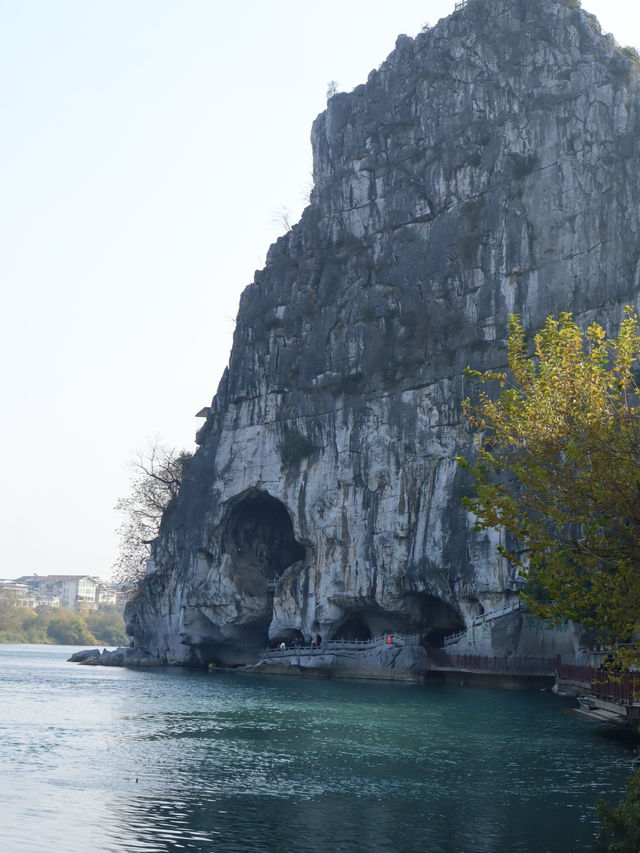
62,626
386,659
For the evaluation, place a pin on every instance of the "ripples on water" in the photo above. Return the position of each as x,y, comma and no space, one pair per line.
100,759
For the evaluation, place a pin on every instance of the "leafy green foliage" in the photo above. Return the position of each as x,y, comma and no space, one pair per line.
294,448
632,54
20,625
620,828
558,467
66,627
107,625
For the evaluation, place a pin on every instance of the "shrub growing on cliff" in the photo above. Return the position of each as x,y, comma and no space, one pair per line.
155,482
294,448
558,467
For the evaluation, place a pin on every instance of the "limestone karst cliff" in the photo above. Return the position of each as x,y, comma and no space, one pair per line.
489,166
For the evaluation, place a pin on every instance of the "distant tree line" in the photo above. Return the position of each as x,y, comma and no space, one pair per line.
60,626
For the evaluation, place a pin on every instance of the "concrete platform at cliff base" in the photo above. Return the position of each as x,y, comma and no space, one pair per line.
386,663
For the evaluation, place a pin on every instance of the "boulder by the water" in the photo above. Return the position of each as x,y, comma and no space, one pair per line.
84,656
114,657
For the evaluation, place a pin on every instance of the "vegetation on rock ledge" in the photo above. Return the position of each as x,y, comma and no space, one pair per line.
294,448
155,482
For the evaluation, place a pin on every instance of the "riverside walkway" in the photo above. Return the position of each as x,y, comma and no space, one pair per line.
480,622
617,693
607,693
334,646
440,660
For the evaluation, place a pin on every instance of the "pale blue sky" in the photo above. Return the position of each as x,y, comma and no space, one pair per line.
147,148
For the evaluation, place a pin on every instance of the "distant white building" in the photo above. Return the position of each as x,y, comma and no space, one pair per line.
106,594
17,594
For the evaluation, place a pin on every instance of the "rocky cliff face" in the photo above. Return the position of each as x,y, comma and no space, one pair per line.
489,166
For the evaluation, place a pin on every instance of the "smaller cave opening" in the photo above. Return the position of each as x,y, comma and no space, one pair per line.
241,644
204,561
291,638
365,622
474,606
353,628
434,638
432,618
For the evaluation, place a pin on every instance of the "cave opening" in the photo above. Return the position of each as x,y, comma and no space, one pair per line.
354,628
432,618
258,535
291,637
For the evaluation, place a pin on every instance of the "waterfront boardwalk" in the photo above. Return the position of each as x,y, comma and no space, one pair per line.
440,660
610,693
606,694
338,646
436,660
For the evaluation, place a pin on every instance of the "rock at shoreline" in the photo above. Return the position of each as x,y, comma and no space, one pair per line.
85,656
115,657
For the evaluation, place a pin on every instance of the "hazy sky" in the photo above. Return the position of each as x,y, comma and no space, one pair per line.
147,149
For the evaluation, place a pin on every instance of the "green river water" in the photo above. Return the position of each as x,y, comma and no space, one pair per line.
102,759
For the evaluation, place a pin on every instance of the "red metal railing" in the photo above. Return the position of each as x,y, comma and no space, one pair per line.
581,674
512,665
622,688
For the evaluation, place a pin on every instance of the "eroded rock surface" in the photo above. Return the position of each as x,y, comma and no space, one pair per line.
489,166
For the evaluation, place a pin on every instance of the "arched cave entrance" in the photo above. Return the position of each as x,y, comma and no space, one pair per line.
432,618
354,628
419,613
258,535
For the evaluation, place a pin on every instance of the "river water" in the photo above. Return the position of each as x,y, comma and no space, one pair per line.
101,759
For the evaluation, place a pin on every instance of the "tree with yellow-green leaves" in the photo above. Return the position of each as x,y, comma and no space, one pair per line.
558,468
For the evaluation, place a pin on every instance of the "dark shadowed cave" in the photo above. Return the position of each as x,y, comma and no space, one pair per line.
426,615
432,617
354,628
259,535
